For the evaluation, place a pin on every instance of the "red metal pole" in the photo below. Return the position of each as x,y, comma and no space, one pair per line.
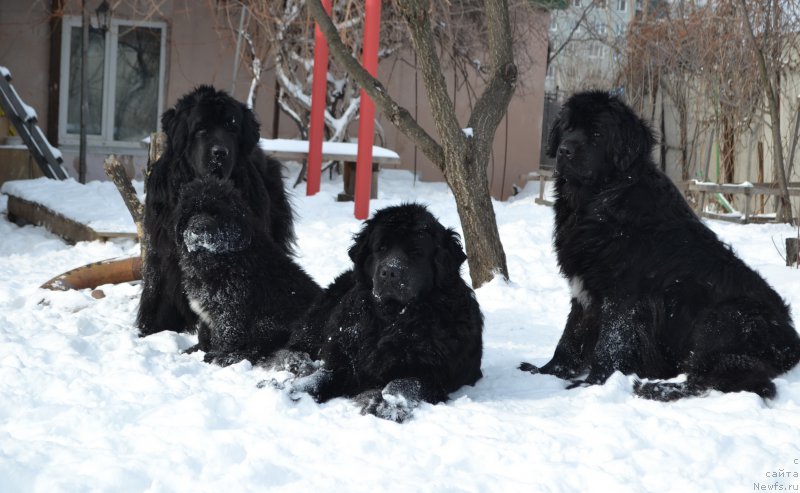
316,128
366,117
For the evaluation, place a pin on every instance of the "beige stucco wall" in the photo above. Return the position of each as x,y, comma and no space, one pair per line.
197,54
25,50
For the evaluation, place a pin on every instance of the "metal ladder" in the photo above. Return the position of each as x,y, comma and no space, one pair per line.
23,117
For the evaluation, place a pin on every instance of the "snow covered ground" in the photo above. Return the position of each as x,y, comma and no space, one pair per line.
85,405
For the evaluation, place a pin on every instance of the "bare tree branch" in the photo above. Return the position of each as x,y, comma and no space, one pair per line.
397,114
417,16
490,107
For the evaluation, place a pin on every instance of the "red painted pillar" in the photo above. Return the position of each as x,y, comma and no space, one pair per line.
316,130
366,117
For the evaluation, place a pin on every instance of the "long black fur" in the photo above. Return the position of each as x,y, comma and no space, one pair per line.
400,327
655,292
208,134
243,286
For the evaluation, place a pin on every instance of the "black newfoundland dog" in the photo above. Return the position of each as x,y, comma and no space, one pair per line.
242,285
654,291
208,134
401,327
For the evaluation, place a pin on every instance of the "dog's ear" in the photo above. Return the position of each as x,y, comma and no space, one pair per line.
449,257
166,119
633,138
250,130
554,139
635,141
176,129
359,251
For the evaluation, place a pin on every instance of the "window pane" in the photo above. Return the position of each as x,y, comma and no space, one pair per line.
138,62
96,66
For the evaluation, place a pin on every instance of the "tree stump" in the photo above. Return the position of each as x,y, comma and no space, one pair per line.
792,251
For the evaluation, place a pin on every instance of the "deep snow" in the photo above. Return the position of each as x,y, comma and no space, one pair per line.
85,405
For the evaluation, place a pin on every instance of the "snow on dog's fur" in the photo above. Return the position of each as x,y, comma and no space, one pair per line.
245,289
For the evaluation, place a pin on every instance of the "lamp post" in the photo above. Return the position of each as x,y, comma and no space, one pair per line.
103,13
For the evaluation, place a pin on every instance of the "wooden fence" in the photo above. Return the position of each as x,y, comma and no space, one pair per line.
703,189
748,190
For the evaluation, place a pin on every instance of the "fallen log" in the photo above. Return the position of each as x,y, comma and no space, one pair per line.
111,271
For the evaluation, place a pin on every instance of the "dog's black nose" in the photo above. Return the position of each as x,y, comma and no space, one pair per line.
566,150
390,271
219,152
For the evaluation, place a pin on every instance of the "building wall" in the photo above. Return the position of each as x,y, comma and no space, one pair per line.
199,54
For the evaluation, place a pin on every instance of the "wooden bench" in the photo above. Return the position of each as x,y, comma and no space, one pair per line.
346,152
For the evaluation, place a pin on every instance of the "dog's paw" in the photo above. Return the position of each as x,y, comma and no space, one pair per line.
577,383
396,402
665,391
296,362
192,349
296,387
528,367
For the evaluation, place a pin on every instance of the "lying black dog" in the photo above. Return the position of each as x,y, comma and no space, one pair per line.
655,293
400,328
243,286
208,134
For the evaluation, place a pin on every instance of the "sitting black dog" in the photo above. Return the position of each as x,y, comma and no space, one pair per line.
244,287
208,134
655,292
399,328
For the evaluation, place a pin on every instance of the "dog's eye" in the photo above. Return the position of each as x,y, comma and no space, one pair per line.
597,135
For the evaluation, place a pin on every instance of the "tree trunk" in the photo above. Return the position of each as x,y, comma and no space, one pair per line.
684,141
470,189
728,147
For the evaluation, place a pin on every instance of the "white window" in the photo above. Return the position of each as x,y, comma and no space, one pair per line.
639,5
622,5
595,50
126,82
600,28
619,29
553,22
576,3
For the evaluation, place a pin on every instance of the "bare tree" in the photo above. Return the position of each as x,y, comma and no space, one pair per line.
770,48
697,53
279,35
462,157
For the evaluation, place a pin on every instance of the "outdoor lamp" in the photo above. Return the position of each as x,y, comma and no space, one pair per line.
103,13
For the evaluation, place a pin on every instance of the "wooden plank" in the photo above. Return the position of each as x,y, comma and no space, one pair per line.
754,189
331,151
23,211
328,156
724,217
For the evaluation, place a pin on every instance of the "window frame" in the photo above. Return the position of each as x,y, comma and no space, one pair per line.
106,136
